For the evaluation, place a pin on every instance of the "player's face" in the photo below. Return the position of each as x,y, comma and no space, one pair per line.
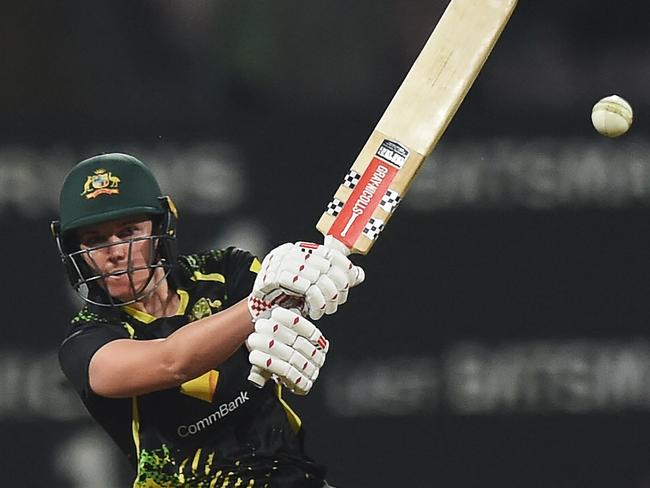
119,251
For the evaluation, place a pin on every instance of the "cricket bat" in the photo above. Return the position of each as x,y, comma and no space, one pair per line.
411,126
414,121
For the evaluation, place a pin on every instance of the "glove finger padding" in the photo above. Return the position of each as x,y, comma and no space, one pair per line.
288,346
320,275
290,270
348,274
322,298
292,319
285,372
355,274
291,273
315,353
330,293
360,275
276,349
271,328
340,279
315,303
286,325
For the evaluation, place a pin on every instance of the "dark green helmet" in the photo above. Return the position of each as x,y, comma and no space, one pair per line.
107,187
104,188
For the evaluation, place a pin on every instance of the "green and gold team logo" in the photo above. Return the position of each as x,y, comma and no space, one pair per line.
102,182
203,308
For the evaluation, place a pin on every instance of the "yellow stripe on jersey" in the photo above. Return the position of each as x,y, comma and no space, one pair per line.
185,299
255,266
135,413
146,318
198,276
129,329
195,461
292,416
135,424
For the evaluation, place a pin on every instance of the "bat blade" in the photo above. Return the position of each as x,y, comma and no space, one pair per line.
414,121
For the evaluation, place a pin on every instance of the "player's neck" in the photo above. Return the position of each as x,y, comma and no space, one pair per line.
162,302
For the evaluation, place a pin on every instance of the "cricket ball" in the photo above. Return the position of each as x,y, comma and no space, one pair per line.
612,116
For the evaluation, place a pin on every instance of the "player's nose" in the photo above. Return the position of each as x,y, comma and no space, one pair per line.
117,250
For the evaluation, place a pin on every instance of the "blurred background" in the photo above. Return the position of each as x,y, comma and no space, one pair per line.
501,337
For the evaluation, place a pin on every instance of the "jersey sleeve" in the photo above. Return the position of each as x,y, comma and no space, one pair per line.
79,347
241,270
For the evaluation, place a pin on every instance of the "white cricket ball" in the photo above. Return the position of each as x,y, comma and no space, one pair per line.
612,116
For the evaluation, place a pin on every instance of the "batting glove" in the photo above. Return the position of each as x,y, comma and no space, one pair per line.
308,276
288,348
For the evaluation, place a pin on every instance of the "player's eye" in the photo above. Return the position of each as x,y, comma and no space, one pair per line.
129,231
92,240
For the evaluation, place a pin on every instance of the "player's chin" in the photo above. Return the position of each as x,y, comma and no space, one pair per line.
123,288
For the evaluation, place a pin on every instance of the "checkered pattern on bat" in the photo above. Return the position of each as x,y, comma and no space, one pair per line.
390,200
373,228
334,207
351,179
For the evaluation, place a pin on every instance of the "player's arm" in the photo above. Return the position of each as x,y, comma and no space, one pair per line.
127,367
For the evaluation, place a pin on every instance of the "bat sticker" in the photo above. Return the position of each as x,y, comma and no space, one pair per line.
351,179
373,228
390,201
334,207
393,153
368,192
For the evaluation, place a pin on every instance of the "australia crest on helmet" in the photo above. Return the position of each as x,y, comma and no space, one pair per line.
101,182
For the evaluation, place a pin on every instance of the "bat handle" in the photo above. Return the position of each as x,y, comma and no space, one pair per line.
333,243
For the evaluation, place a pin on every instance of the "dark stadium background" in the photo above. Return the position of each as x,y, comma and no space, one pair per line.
501,338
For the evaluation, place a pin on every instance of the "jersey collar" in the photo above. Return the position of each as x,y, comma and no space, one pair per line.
146,318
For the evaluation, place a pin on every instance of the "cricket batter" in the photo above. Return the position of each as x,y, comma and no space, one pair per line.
162,352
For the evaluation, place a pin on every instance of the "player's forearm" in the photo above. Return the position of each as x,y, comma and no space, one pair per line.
202,345
165,363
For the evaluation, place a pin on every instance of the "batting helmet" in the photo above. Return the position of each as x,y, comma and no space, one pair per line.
104,188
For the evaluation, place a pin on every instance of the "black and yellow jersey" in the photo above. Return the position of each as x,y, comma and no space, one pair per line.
214,431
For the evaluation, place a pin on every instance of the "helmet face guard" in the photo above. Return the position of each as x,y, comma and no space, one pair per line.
106,188
90,284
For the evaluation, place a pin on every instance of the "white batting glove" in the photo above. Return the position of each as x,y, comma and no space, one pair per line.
343,268
308,276
288,348
332,287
